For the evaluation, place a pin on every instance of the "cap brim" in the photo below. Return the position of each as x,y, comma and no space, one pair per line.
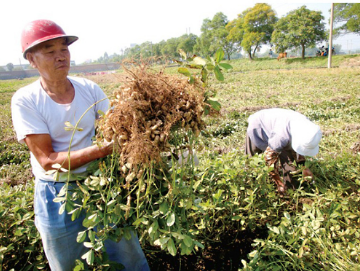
69,39
305,137
306,151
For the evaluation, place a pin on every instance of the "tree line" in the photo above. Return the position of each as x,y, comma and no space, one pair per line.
253,28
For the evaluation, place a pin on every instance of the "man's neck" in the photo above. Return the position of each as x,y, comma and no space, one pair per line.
61,91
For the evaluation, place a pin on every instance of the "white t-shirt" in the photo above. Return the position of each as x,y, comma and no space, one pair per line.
34,112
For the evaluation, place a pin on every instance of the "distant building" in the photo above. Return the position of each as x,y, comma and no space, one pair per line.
72,62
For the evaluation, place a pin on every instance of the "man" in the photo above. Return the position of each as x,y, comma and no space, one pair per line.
39,113
284,135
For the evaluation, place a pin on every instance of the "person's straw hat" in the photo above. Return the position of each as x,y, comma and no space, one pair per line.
305,137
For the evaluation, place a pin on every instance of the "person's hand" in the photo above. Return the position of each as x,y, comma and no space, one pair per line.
271,156
307,175
107,147
280,186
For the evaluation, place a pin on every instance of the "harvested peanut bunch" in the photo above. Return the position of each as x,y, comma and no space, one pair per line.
146,108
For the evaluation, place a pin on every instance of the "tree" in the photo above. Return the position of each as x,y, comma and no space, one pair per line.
146,49
299,28
253,27
219,34
10,66
349,15
170,48
203,43
214,36
236,31
187,43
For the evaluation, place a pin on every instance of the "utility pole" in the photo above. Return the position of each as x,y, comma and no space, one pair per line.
330,36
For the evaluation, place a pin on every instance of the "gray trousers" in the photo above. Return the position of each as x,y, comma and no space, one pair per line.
287,158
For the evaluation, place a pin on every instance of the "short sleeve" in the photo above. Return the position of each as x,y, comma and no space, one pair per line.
26,118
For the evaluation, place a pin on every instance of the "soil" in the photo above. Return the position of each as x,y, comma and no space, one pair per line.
216,256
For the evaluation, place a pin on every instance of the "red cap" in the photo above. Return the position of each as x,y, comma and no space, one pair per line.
39,31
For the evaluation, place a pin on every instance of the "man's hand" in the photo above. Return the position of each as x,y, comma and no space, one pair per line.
307,175
271,156
279,184
107,147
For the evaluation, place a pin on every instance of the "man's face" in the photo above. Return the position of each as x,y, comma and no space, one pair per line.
51,58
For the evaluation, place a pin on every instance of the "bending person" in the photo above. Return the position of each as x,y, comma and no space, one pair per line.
284,136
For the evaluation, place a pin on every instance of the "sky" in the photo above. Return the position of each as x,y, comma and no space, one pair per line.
112,25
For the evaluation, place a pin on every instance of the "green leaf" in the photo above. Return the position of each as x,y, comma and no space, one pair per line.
275,229
219,55
218,74
287,215
100,112
91,235
111,203
182,54
184,71
62,208
163,208
210,67
214,104
88,244
68,124
81,237
204,74
170,220
162,241
226,66
253,254
188,241
200,61
191,79
154,226
89,256
59,199
199,244
171,247
206,110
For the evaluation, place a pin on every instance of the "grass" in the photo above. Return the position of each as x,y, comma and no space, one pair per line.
319,225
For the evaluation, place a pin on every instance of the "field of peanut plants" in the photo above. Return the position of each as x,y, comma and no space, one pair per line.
224,213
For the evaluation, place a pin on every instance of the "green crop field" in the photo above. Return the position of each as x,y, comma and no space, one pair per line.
225,214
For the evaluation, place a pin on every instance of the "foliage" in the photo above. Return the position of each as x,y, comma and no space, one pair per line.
299,28
214,36
249,31
313,228
322,236
347,14
212,65
20,241
10,66
253,27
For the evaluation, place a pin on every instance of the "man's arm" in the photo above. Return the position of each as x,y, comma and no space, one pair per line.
41,147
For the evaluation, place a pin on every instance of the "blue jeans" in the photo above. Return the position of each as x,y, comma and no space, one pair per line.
58,234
